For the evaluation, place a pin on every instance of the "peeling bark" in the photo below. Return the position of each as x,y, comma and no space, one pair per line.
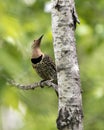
64,19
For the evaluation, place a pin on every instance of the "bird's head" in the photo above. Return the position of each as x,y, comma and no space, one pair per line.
36,43
36,51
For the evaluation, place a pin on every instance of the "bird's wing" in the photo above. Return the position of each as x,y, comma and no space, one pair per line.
50,62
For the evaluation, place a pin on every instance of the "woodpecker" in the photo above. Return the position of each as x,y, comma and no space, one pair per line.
42,63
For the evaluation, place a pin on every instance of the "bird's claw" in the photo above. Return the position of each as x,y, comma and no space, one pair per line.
41,85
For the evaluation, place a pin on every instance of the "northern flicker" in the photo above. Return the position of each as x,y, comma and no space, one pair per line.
42,63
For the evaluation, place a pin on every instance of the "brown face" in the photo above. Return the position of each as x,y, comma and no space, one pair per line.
37,42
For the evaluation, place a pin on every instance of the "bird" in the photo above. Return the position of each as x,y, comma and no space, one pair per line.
43,63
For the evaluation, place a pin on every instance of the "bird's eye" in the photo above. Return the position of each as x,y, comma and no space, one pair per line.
33,46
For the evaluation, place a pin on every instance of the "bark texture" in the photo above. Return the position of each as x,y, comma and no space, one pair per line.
64,20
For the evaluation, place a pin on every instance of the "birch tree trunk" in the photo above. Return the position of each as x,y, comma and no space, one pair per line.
64,20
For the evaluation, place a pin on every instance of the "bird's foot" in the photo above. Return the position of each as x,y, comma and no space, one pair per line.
41,85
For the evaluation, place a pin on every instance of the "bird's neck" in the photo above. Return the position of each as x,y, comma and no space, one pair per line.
36,53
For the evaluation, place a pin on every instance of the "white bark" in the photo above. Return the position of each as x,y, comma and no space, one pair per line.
70,100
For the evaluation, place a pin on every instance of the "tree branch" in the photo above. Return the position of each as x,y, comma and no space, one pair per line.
34,85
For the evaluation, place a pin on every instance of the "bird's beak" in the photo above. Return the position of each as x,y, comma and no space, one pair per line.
40,37
39,40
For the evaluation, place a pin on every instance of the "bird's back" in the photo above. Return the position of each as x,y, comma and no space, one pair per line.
46,69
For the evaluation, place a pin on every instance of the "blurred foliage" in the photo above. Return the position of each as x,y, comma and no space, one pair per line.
23,21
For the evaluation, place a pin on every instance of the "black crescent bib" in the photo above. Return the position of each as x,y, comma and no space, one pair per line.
36,60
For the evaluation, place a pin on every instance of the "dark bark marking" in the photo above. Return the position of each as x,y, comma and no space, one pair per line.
69,117
75,18
58,6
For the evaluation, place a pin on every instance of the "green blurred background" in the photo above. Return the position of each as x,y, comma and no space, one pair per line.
22,21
